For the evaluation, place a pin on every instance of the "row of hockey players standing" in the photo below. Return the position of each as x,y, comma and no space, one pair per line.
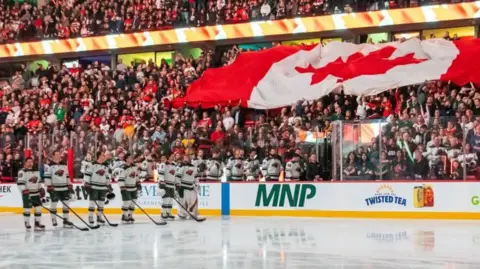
176,176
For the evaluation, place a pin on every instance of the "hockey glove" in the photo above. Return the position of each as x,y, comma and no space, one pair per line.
41,192
110,189
70,189
139,186
50,189
25,192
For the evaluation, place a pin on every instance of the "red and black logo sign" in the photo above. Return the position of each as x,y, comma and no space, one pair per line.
238,165
189,172
172,171
33,180
100,172
60,173
133,174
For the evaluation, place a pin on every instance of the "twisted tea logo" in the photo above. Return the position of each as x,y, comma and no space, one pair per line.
385,195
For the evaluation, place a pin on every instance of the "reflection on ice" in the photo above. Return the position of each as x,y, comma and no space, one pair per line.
239,243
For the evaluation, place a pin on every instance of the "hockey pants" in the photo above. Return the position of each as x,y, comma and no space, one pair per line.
189,200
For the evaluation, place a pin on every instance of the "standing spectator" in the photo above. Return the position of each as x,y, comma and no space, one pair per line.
314,169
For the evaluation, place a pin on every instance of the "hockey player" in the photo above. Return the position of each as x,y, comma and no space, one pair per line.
97,183
293,169
214,169
186,175
252,166
143,166
29,185
167,182
272,166
59,186
86,163
200,164
129,183
235,169
117,164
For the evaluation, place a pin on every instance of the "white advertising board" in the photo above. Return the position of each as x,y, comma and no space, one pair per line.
374,196
209,196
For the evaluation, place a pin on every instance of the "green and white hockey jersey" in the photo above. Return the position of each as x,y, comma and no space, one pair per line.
128,177
56,175
98,176
30,180
166,174
186,175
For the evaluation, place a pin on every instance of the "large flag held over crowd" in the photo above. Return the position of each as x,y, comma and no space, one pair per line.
283,75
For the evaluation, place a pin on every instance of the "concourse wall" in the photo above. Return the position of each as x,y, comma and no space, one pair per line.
385,199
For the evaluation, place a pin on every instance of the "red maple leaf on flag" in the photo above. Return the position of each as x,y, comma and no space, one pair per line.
375,63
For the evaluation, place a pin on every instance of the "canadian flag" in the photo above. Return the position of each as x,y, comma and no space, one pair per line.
281,76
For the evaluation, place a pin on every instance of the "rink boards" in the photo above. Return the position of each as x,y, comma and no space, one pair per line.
428,200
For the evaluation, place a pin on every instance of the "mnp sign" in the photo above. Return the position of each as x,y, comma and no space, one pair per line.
284,195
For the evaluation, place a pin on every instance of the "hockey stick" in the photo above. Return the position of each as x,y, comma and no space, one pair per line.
67,221
75,213
109,223
191,215
156,223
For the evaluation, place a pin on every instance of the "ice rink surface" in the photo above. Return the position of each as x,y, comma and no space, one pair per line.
241,242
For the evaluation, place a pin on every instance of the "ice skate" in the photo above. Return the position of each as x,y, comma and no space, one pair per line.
165,217
170,216
67,224
100,220
130,219
28,226
124,219
54,222
39,226
181,217
90,220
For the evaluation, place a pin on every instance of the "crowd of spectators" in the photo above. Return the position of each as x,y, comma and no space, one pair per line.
430,130
25,21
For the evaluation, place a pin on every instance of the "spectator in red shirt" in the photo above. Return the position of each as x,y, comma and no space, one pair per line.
218,135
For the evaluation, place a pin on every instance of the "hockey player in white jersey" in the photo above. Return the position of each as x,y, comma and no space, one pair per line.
252,166
59,186
186,175
97,183
272,166
293,169
168,183
201,165
117,164
86,163
214,169
235,167
28,183
129,183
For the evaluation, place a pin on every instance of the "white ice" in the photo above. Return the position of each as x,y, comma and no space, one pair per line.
241,242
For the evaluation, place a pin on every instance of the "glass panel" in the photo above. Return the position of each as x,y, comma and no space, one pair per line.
408,148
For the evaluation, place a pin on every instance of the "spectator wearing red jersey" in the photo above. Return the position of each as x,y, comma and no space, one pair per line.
218,135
